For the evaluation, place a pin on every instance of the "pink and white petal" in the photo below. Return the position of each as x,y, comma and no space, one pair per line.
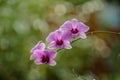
66,26
74,23
42,46
82,35
67,36
32,50
38,61
51,37
51,53
52,63
39,54
67,45
59,46
58,34
75,35
82,27
39,46
52,45
33,56
36,54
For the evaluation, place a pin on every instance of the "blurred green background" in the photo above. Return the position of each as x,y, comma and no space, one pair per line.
25,22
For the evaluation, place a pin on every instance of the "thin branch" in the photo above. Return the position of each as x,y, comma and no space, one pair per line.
108,32
93,32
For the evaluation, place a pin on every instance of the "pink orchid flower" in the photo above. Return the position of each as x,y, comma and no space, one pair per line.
75,28
44,57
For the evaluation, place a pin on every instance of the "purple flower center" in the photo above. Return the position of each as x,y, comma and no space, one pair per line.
74,31
45,59
59,42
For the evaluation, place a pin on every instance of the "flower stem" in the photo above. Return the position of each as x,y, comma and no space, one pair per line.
93,32
108,32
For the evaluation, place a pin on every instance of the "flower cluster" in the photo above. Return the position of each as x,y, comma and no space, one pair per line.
59,39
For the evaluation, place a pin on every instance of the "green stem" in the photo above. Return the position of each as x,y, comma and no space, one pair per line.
93,32
108,32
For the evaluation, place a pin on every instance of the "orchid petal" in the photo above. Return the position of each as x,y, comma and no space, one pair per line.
51,37
52,45
52,63
51,53
67,45
74,23
66,26
82,35
38,61
38,46
82,27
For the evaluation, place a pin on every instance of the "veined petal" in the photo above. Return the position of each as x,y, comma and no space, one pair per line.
51,53
38,61
33,56
52,45
74,23
67,35
75,35
66,26
38,46
67,45
58,34
82,35
37,54
42,46
51,37
82,27
52,63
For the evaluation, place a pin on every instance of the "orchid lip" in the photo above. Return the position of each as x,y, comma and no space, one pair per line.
45,59
59,42
74,31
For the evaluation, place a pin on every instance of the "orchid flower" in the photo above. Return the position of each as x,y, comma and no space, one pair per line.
59,39
44,57
75,28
